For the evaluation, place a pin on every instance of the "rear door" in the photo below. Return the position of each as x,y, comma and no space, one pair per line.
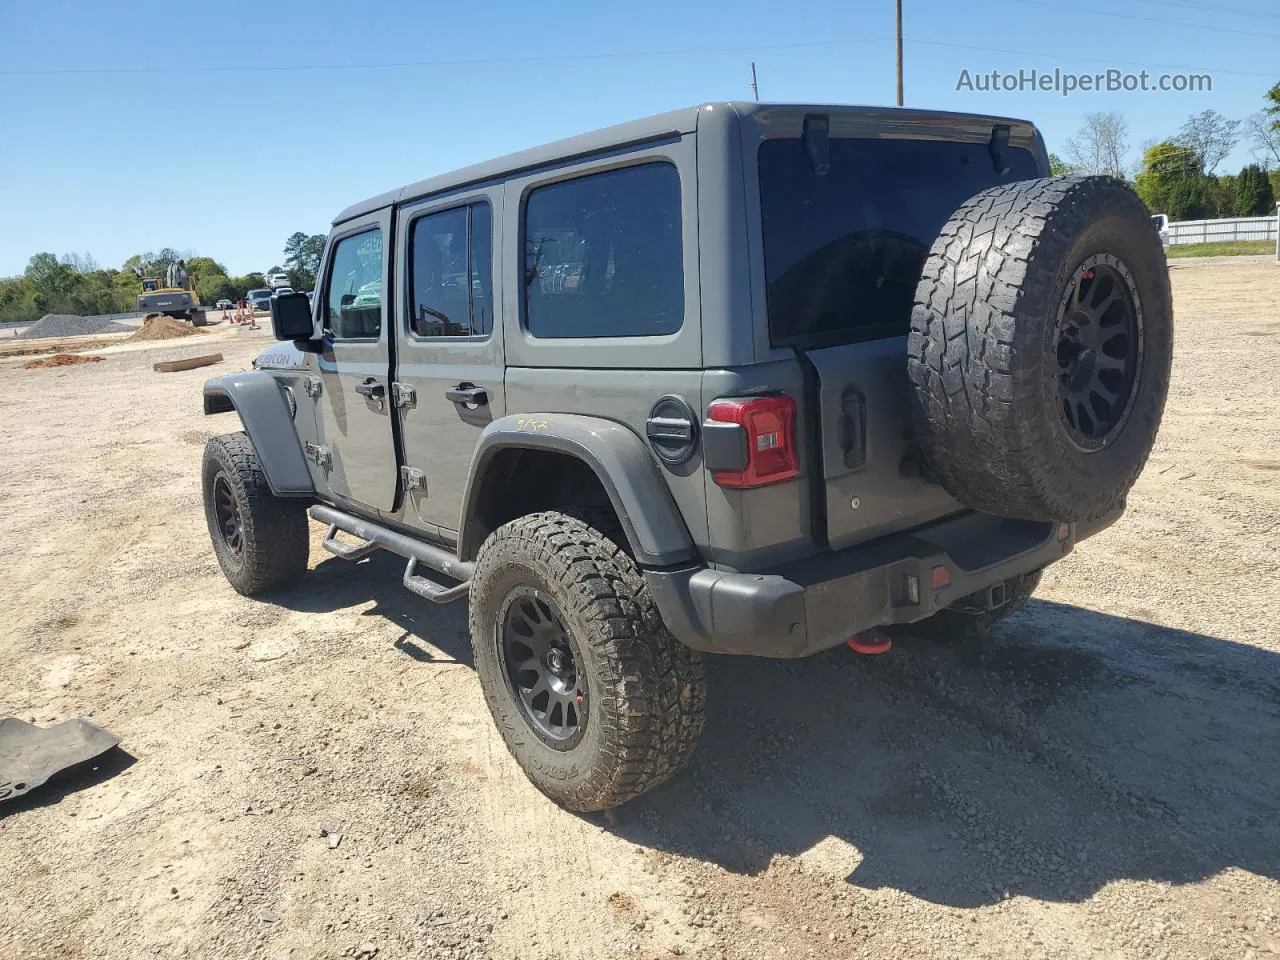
353,410
449,363
847,219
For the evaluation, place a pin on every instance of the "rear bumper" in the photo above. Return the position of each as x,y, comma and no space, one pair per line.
820,602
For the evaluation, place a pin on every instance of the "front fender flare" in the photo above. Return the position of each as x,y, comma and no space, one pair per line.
257,397
650,518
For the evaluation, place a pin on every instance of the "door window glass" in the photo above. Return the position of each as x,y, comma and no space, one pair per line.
353,305
451,272
603,255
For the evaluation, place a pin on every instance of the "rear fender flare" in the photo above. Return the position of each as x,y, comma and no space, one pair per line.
621,461
257,398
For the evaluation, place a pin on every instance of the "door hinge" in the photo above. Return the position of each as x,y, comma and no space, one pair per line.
414,479
403,395
318,455
312,386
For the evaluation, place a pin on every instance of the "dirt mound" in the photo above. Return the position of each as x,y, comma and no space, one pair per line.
163,328
61,360
66,325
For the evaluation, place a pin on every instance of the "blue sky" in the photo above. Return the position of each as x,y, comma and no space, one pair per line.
130,127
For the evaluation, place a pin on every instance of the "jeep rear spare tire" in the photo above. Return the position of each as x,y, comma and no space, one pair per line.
1040,346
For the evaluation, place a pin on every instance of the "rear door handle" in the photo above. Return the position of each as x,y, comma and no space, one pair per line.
372,389
467,393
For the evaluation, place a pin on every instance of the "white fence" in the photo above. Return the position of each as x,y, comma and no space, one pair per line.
1221,231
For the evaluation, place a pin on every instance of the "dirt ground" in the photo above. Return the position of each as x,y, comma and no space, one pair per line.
1101,779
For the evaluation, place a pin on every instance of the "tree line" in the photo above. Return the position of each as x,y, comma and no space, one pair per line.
1177,176
75,283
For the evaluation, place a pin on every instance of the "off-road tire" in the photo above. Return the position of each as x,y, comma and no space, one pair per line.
274,533
966,619
646,691
983,356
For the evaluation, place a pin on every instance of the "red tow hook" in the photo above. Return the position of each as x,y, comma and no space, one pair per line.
870,642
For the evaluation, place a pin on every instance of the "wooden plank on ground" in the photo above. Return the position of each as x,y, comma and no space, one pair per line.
190,363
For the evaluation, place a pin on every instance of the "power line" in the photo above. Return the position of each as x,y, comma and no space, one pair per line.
1168,23
1108,61
1212,8
489,61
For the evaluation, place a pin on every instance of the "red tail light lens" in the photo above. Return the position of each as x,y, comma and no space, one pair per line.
770,423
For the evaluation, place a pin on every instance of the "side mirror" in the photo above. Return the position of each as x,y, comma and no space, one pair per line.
291,317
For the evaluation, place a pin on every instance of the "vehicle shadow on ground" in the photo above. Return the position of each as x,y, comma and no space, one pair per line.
337,584
1069,750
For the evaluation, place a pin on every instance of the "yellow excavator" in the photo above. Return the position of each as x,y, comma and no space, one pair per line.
177,298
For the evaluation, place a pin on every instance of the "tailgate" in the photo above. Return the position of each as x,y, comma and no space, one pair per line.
870,481
850,203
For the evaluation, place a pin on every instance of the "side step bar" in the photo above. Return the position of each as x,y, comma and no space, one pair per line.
374,536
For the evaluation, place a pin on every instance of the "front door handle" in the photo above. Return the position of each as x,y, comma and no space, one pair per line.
467,393
372,389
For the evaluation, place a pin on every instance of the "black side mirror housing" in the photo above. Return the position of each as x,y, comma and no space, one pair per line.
291,317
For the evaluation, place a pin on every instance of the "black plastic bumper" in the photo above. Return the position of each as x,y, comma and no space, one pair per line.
819,602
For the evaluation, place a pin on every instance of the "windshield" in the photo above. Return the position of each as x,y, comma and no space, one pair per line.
843,250
258,294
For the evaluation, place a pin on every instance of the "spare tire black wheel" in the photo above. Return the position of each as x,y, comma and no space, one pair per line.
1040,347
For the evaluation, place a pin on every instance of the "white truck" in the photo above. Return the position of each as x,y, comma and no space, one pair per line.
276,280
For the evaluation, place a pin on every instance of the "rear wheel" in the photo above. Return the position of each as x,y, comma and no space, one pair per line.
261,541
596,701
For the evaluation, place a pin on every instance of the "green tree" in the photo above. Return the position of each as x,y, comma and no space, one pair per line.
1059,167
49,277
293,249
1253,195
1164,165
204,267
1191,198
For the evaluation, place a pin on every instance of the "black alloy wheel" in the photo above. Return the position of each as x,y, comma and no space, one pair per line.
541,661
1099,351
226,509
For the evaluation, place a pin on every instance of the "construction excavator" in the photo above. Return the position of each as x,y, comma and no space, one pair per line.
177,298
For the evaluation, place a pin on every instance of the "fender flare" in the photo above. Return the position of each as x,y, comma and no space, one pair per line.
649,516
257,398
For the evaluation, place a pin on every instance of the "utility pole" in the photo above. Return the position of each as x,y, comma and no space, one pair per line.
755,88
899,11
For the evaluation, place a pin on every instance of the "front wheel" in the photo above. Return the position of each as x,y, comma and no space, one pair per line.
595,699
261,540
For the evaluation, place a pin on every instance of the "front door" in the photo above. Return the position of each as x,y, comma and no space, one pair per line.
449,347
356,447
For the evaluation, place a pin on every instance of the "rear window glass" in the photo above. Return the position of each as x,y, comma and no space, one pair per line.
843,250
603,255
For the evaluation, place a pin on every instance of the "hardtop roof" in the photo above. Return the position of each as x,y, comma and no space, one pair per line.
657,127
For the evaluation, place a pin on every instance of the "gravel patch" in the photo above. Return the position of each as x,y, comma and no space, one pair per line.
66,325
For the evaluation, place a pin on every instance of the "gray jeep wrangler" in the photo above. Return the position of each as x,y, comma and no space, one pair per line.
742,378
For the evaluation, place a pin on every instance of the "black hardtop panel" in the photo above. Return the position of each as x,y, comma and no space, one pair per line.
771,119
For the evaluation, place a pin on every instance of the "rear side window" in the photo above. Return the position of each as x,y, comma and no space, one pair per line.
843,250
603,255
353,303
451,272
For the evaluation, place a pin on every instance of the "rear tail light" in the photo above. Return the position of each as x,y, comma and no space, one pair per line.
770,425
